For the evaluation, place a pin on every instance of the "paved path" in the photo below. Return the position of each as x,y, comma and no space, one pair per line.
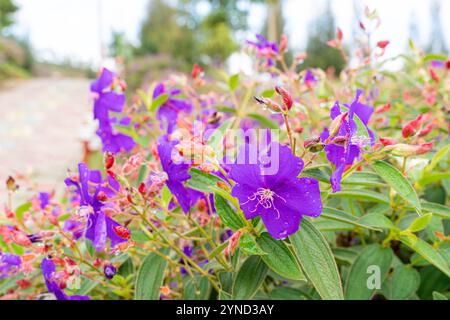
40,129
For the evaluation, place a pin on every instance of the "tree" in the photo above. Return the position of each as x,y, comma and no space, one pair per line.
168,30
437,41
7,10
320,55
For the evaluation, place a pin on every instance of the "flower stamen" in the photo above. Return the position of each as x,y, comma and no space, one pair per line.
265,198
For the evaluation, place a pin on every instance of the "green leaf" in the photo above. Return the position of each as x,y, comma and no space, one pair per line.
249,278
437,209
434,56
360,194
279,258
439,296
398,182
402,283
377,220
368,179
159,101
150,277
202,181
198,289
22,209
269,93
227,215
233,82
359,285
248,244
338,215
215,140
426,251
437,159
317,261
316,173
420,223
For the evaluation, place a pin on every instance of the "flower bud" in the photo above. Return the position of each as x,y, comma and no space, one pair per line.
109,271
383,108
233,242
388,141
428,128
286,96
382,44
11,184
406,150
340,140
308,143
101,196
122,232
109,161
337,123
269,103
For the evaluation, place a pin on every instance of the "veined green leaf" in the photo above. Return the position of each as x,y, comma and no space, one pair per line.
150,277
197,289
426,251
436,208
420,222
227,215
397,181
249,278
202,181
279,257
371,265
338,215
363,195
317,260
377,220
248,244
402,283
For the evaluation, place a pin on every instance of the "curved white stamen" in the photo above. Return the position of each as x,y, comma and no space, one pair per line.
264,197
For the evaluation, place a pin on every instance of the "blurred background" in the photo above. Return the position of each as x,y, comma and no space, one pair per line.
51,49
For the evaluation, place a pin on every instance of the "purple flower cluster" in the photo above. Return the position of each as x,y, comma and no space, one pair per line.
343,147
107,100
280,198
99,227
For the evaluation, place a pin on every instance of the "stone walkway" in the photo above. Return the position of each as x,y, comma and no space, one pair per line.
41,123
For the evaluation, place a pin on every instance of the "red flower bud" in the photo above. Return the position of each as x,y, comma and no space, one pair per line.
122,232
339,34
197,71
337,123
433,75
286,96
142,188
101,196
382,44
362,26
387,141
109,161
11,184
383,108
269,103
428,128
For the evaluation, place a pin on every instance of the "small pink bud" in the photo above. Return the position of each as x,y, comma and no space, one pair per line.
286,96
382,44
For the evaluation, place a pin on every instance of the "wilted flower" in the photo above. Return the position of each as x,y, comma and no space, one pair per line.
344,126
49,273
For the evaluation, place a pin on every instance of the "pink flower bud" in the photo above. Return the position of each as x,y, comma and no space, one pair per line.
286,96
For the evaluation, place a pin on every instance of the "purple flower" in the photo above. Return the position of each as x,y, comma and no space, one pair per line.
49,271
268,187
44,199
177,173
265,49
107,100
310,79
342,156
167,113
99,227
9,264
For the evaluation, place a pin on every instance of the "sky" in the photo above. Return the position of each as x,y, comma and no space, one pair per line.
72,29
